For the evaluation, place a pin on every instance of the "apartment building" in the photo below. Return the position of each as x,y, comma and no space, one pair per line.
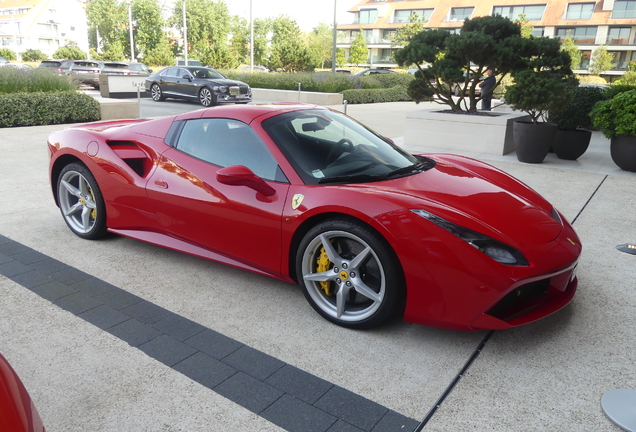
608,23
45,25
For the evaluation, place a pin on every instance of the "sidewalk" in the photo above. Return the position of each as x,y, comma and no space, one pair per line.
546,376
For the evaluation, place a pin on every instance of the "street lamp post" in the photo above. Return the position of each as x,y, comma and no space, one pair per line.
335,33
185,35
130,27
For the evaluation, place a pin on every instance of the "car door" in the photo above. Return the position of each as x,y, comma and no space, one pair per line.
185,85
191,203
168,81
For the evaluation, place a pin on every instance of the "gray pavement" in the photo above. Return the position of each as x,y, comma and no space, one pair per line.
545,376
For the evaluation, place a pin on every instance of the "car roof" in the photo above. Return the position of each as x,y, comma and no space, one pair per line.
248,113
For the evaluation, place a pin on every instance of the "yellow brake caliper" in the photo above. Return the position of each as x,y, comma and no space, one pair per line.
323,265
94,212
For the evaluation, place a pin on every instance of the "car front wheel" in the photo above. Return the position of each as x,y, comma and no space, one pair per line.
349,274
156,93
206,97
81,202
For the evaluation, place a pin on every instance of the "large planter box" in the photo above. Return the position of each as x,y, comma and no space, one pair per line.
122,86
490,133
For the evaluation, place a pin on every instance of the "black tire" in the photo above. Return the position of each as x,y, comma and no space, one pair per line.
358,283
81,202
156,93
206,97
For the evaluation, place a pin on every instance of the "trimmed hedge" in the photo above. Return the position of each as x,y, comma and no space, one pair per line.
33,109
360,96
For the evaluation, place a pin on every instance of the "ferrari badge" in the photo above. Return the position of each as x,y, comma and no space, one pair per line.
297,200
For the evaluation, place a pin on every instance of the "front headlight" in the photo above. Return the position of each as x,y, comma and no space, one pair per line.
498,251
220,89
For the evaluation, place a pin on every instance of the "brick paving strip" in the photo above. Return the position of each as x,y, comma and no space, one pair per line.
291,398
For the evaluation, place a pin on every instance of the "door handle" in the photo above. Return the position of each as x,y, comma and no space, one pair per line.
161,183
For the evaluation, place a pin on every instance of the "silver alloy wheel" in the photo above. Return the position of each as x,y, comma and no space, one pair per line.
77,202
155,92
205,97
355,273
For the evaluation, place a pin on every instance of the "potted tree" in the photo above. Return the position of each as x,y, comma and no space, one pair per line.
573,123
616,119
546,85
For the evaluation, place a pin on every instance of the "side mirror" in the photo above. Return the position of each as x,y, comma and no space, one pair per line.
188,77
239,175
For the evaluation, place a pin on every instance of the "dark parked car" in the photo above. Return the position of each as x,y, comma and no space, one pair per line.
86,72
61,67
124,68
366,72
206,85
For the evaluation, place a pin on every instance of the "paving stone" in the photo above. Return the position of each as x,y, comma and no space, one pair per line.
13,268
4,240
254,362
48,266
294,415
343,426
394,421
178,327
12,247
134,332
352,408
167,350
248,392
104,316
29,257
119,299
93,287
70,276
31,279
214,344
77,303
5,258
205,370
146,312
300,384
53,290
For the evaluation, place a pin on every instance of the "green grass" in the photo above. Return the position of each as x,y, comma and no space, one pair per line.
33,81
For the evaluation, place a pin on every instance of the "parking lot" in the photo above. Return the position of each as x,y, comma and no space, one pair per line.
292,370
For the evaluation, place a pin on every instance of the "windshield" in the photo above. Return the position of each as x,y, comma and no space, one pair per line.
329,147
205,73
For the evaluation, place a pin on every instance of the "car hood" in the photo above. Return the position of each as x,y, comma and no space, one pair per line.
479,197
223,81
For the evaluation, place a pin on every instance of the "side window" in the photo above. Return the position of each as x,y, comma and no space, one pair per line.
225,142
173,72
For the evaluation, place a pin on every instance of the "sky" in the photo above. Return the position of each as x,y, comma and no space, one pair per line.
308,14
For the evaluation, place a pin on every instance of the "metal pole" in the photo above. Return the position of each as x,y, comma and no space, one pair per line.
132,46
185,34
335,34
251,38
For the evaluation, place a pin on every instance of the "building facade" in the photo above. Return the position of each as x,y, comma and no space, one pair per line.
44,25
608,23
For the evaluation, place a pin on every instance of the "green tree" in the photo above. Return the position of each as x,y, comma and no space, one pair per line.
161,55
573,51
262,28
109,19
148,31
240,40
358,51
601,61
404,34
8,54
208,23
341,57
526,29
33,55
321,44
70,53
289,50
489,42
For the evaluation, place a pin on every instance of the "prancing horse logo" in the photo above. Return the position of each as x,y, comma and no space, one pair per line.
297,200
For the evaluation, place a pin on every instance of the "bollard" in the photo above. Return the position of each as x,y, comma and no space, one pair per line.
298,92
345,102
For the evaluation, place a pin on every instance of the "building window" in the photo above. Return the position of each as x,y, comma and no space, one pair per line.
367,16
388,35
404,16
538,31
532,13
460,13
579,11
580,35
624,9
618,36
585,59
620,60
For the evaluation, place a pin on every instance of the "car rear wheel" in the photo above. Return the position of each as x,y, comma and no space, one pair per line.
206,97
349,274
156,93
81,201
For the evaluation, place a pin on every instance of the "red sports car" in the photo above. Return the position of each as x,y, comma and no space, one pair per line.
306,194
17,411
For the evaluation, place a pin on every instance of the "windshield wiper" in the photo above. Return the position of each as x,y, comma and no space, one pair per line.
355,178
418,167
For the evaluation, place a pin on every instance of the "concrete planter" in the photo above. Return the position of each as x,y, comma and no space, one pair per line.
623,151
533,141
490,133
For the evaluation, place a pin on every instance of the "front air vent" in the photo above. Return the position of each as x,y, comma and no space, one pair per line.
137,159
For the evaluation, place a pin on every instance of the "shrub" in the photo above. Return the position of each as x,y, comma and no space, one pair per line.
616,116
359,96
70,53
8,54
591,79
576,114
616,89
23,80
33,55
32,109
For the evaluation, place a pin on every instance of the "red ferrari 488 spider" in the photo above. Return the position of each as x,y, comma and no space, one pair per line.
367,230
